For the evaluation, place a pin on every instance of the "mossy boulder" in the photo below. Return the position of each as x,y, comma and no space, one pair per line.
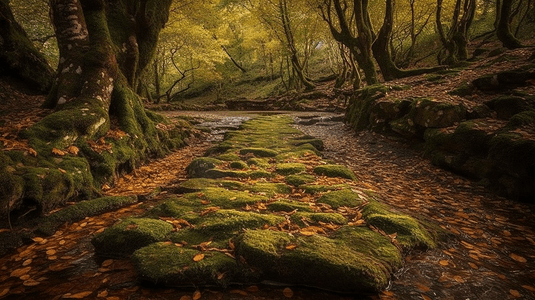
335,171
259,152
316,143
199,166
300,179
225,198
340,198
386,110
259,162
318,260
410,232
437,114
129,235
290,168
508,106
239,165
80,210
164,264
361,103
289,206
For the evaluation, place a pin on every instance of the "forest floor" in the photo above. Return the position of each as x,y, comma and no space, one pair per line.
491,255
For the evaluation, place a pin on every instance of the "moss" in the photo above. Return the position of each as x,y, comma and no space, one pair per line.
240,165
260,162
259,152
335,171
224,222
197,184
340,198
316,143
316,261
199,166
288,206
300,179
226,199
525,118
81,210
314,218
129,235
465,89
410,232
229,156
171,265
318,188
290,168
269,189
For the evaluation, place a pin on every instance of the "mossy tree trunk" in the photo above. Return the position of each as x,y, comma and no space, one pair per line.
18,55
503,26
381,50
455,42
358,41
104,47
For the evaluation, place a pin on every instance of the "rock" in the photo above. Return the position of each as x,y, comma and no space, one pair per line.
199,166
340,198
290,168
335,171
384,111
437,114
129,235
508,106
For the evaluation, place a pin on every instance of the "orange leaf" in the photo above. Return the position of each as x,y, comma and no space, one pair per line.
30,282
243,293
107,263
32,152
288,293
198,257
425,297
20,272
58,152
529,288
515,293
80,295
518,258
185,298
307,233
253,289
291,246
197,295
443,262
73,150
4,292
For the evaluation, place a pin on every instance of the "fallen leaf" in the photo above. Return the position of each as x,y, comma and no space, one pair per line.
80,295
185,297
107,263
288,293
443,262
518,258
51,252
198,257
529,288
4,292
73,150
30,282
27,262
243,293
24,277
58,152
103,294
253,289
37,239
515,293
307,233
32,152
220,275
473,266
231,245
425,297
197,295
291,246
20,272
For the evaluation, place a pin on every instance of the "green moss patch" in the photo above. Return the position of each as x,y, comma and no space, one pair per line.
259,152
199,166
290,168
171,265
129,235
300,179
335,171
81,210
288,206
344,197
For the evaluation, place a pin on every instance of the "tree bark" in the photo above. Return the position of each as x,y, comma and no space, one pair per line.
18,55
503,26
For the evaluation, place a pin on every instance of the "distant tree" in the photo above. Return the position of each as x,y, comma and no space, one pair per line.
18,55
503,24
455,41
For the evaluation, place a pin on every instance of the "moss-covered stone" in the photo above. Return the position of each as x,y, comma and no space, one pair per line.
268,188
170,265
226,199
316,143
129,235
340,198
199,166
288,206
290,168
239,165
79,211
300,179
318,188
260,162
410,232
259,152
335,171
315,261
300,218
227,221
229,156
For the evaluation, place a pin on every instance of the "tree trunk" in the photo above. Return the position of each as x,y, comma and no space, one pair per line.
503,27
18,56
456,41
104,48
